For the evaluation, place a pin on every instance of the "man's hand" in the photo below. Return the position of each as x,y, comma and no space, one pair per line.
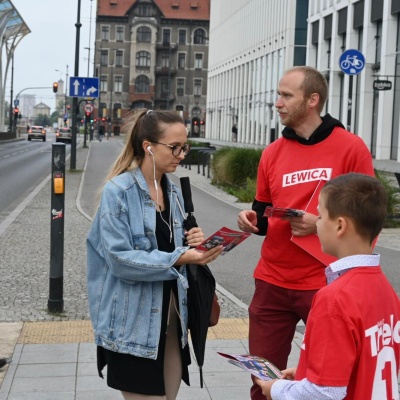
304,225
247,221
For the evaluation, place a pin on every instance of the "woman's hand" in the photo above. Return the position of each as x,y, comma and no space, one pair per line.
193,256
194,237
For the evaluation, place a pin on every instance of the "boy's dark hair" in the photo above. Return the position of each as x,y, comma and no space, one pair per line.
359,197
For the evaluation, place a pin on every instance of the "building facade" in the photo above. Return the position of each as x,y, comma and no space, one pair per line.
152,54
41,108
265,38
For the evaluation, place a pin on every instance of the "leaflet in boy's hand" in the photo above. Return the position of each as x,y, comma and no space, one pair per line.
282,212
257,366
225,237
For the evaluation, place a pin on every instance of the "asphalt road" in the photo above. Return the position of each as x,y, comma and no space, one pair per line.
23,165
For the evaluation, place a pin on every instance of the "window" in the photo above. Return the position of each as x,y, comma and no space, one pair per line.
197,87
143,59
119,57
119,33
182,36
166,36
117,110
105,32
104,57
180,87
181,60
143,34
198,62
142,84
164,87
199,36
103,83
165,60
118,83
145,11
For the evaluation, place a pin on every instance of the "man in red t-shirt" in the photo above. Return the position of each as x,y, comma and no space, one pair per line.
351,348
292,170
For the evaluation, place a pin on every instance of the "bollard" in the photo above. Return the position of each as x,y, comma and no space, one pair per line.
56,302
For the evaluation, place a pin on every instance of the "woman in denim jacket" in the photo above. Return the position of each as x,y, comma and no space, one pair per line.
137,250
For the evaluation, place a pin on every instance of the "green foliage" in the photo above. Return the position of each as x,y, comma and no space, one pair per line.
54,117
197,144
233,166
42,120
393,200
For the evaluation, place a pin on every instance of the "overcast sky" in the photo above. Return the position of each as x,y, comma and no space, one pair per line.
51,45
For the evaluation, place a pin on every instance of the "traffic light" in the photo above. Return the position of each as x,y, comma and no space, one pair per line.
103,119
55,87
16,112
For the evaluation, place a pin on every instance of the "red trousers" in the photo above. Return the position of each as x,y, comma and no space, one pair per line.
273,315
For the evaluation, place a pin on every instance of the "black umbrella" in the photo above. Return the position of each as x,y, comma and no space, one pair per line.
201,289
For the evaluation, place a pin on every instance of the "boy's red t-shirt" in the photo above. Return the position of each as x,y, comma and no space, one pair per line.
288,175
352,336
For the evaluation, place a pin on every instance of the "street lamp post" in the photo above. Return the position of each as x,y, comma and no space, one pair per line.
75,99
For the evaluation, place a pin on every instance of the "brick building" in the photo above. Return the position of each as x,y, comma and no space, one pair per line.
152,54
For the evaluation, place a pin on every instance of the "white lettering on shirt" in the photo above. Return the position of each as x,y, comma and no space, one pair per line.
383,334
307,175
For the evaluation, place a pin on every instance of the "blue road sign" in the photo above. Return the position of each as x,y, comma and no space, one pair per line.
352,62
16,102
83,87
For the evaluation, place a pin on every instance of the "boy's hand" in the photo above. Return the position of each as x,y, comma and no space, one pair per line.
289,373
265,387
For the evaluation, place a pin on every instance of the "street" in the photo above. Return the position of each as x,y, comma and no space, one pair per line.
23,165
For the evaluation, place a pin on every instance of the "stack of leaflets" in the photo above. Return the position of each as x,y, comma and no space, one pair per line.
225,237
257,366
282,212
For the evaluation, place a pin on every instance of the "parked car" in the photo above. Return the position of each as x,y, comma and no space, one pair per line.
37,132
64,135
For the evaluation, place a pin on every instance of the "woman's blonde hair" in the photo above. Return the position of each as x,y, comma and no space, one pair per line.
140,126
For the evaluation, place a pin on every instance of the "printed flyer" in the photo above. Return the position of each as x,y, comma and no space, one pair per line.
257,366
225,237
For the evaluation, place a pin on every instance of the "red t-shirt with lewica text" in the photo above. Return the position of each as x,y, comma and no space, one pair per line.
288,174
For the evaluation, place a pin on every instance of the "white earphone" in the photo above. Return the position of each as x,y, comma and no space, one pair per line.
149,150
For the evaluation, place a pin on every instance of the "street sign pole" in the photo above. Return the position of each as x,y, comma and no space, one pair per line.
75,99
351,62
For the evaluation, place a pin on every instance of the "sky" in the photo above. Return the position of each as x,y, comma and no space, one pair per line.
51,45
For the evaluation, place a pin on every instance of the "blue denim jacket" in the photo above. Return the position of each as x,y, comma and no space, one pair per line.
125,271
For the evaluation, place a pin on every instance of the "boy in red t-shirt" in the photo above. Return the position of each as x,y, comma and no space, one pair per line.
351,348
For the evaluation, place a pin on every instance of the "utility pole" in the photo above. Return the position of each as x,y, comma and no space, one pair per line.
11,95
75,109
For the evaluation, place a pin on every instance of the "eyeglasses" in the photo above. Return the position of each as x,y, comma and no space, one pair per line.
177,149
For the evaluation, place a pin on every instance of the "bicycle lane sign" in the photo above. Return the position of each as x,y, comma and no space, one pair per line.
352,62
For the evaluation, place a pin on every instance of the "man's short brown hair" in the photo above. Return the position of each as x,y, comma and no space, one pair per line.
361,198
314,82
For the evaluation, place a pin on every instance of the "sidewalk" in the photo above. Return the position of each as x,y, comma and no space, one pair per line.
54,355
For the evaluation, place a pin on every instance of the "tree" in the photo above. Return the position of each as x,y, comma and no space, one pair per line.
42,120
54,117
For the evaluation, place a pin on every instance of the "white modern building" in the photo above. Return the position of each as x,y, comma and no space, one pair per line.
253,42
26,105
